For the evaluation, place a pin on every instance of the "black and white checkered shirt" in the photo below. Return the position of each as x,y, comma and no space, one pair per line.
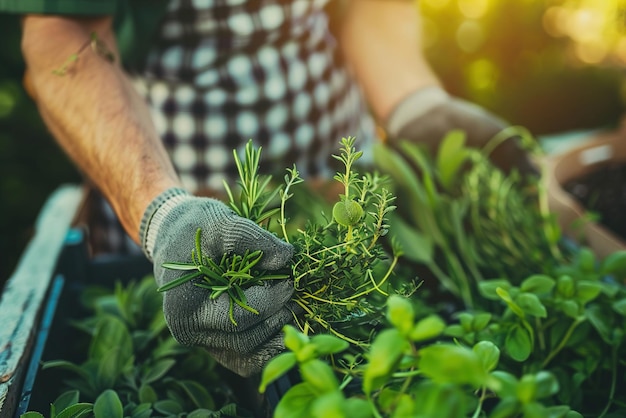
226,71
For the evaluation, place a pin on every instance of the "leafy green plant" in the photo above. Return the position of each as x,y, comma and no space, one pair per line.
134,368
465,219
542,329
407,372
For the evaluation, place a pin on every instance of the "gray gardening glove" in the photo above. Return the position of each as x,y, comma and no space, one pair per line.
167,233
428,114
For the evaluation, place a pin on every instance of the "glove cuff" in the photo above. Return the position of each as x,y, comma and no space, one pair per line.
413,106
154,215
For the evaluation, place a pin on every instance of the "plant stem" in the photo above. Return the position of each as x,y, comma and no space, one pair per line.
567,336
613,381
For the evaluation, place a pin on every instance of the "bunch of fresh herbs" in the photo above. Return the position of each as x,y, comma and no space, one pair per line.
339,264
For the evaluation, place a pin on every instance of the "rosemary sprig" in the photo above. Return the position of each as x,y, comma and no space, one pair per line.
232,275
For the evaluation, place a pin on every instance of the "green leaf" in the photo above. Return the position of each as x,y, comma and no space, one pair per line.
531,305
480,321
147,394
439,400
294,339
448,363
357,408
296,402
400,313
417,246
518,343
450,157
619,306
454,330
547,384
488,354
177,282
108,405
385,352
615,264
110,368
67,365
430,327
570,308
76,410
111,332
506,408
586,260
66,399
506,384
168,407
276,367
565,286
538,284
506,297
601,319
179,266
198,394
527,389
143,410
157,370
487,288
328,344
330,404
535,410
319,375
32,414
586,291
558,411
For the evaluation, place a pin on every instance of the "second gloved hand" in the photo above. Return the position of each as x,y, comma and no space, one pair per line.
167,234
428,114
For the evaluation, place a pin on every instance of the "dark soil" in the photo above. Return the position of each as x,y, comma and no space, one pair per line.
603,193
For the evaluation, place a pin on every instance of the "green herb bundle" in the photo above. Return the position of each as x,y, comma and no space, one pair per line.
341,270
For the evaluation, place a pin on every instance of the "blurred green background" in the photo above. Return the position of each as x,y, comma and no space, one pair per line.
550,65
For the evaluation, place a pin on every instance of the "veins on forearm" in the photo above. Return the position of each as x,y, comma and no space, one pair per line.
97,45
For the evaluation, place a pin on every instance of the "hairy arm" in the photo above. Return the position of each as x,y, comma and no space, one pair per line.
95,114
382,42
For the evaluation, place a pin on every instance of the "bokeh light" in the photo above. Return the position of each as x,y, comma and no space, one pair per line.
533,58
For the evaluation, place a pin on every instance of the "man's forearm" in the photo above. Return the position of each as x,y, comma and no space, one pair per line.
95,114
382,42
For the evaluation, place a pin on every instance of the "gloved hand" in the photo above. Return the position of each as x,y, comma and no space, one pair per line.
167,234
428,114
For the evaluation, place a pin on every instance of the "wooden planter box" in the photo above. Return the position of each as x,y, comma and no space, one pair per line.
28,300
42,293
601,149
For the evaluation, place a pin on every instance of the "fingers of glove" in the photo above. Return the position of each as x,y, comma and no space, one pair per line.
191,313
244,235
245,342
252,363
